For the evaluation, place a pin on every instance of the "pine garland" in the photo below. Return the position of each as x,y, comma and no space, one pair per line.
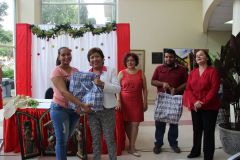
71,31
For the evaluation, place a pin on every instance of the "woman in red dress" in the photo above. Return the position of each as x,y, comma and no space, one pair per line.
132,99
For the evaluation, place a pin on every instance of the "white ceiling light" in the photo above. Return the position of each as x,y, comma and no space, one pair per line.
229,22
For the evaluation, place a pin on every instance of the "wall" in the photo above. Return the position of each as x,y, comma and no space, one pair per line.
157,24
208,7
205,5
28,11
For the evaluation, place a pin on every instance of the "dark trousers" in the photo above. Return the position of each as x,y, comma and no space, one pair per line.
172,134
204,122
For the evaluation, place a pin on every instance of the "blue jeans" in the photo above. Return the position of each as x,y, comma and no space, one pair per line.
64,121
172,134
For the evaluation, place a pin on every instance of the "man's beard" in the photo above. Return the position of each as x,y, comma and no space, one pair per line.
170,65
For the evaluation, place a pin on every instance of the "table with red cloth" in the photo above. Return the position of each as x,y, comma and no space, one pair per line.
11,140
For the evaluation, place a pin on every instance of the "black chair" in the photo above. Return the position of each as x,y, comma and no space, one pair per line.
50,148
49,93
32,142
29,141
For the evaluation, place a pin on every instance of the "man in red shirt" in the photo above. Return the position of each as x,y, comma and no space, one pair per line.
171,78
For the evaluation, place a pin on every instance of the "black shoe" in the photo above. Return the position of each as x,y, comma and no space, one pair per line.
176,149
157,149
208,157
193,155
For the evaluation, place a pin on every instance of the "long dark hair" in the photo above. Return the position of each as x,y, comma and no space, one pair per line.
58,62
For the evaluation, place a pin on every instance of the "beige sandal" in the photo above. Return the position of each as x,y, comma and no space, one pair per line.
136,154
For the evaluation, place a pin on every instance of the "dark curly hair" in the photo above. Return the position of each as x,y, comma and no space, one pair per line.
170,51
134,56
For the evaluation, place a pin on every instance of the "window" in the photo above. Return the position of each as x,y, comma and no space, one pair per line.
7,45
78,11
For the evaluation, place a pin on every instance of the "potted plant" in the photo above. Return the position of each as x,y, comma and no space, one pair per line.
229,68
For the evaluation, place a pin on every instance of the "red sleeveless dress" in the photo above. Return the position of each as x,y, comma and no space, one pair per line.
131,96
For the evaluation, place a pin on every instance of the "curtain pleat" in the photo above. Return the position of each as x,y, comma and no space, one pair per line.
123,43
23,59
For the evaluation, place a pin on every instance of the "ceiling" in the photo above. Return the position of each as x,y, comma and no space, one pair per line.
221,14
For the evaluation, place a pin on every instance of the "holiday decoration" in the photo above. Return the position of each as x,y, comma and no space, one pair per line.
71,31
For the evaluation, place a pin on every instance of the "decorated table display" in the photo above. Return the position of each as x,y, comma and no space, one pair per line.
37,107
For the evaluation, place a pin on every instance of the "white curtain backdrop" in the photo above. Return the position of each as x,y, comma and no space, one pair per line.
44,55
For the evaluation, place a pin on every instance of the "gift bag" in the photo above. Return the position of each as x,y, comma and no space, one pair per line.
93,96
83,87
168,108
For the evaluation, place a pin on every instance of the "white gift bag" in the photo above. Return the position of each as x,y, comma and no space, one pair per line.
168,108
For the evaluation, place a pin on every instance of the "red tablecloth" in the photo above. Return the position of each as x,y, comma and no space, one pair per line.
11,141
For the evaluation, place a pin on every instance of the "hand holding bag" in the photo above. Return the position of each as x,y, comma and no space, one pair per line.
168,108
94,97
83,87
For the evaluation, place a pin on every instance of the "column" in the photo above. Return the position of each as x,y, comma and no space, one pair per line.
236,17
29,11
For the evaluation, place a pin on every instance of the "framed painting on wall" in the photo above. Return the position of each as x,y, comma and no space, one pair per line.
184,57
157,57
141,55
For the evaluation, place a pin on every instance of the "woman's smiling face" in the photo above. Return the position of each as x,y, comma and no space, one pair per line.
96,61
65,56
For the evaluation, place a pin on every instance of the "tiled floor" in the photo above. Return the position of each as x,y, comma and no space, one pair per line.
145,143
